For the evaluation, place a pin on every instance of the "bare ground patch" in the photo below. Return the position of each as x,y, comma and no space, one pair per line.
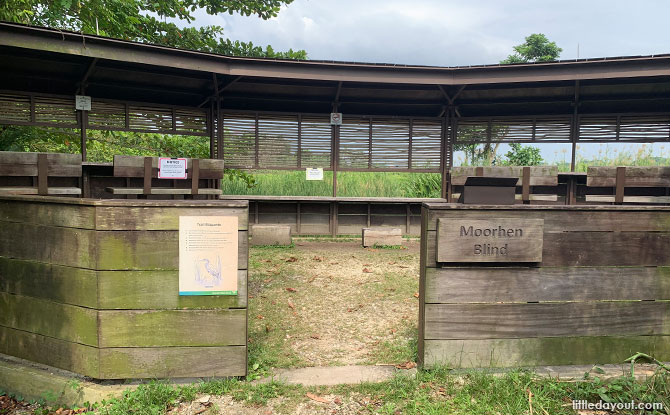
333,303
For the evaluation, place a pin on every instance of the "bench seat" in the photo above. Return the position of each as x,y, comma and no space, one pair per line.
647,200
518,196
160,191
51,191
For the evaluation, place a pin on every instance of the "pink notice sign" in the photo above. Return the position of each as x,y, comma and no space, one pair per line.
171,168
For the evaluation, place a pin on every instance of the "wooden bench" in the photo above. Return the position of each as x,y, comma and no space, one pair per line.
647,185
45,174
529,176
146,168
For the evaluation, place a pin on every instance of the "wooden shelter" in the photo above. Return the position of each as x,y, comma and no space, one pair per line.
274,114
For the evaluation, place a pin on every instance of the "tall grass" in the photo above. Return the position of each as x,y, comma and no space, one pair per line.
349,184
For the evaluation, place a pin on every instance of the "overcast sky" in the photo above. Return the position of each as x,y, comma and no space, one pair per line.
449,33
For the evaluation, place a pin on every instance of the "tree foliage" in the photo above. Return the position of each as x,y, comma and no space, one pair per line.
536,48
161,22
519,155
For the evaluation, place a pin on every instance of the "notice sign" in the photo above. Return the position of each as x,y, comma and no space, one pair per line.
490,240
314,174
169,168
82,102
208,255
335,118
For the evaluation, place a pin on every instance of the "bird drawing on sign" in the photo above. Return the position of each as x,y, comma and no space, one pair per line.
208,273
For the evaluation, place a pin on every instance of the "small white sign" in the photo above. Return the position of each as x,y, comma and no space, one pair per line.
169,168
335,118
314,174
82,102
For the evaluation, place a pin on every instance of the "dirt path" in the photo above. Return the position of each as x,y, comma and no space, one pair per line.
333,303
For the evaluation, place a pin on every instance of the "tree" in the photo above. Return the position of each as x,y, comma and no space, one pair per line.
536,48
151,21
519,155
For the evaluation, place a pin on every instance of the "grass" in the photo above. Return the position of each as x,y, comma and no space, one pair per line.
349,184
437,391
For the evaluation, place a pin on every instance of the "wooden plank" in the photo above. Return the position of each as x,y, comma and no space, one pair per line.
138,162
159,191
68,285
495,321
133,166
168,328
568,219
147,250
636,176
31,170
491,240
492,285
52,191
48,214
51,244
159,218
50,351
572,249
173,362
629,199
606,249
61,321
160,290
19,157
539,175
533,352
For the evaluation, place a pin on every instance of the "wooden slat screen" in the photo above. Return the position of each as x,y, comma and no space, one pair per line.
627,128
354,148
514,130
390,144
153,119
553,129
278,141
597,129
426,139
191,122
104,115
239,140
14,108
315,141
55,111
59,111
288,141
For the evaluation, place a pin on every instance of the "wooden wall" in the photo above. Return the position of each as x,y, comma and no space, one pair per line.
600,294
346,218
92,287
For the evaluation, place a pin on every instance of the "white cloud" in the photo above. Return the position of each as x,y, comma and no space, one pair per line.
452,32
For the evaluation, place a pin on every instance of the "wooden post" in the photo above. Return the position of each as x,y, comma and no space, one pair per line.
575,128
444,191
334,210
83,117
297,219
42,174
525,186
408,212
620,185
479,171
335,153
195,176
147,175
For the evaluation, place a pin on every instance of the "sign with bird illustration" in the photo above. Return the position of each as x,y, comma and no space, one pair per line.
208,255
